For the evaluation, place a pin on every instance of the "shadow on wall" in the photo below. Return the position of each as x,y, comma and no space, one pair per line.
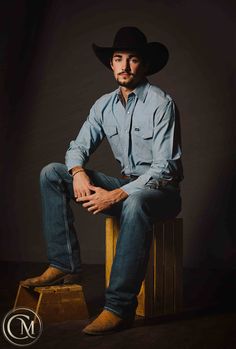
231,218
218,222
20,23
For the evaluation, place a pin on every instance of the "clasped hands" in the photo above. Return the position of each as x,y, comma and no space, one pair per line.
101,199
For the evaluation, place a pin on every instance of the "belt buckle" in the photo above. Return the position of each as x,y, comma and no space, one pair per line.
161,183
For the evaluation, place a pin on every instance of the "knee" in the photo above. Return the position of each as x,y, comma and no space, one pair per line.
49,171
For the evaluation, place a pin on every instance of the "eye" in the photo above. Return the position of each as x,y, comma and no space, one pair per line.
134,60
116,59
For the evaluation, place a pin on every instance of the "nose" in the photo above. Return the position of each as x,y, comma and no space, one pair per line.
126,65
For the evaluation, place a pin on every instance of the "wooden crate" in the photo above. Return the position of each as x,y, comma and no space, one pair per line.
53,303
162,289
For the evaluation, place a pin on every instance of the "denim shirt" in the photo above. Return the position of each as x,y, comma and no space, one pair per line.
142,134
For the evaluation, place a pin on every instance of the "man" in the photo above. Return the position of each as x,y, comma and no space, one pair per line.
139,121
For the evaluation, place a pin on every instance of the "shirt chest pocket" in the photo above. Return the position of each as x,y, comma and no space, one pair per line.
142,142
110,130
143,132
113,137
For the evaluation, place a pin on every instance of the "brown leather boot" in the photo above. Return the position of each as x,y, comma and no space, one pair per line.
73,279
51,276
106,323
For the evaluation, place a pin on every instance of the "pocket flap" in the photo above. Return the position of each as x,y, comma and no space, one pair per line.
148,133
110,130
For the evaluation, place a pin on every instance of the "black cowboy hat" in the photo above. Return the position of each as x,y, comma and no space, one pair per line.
132,39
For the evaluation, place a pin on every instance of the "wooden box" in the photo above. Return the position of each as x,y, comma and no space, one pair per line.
162,289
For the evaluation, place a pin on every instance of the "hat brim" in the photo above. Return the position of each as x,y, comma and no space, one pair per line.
156,54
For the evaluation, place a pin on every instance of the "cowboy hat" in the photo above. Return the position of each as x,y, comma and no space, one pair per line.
132,39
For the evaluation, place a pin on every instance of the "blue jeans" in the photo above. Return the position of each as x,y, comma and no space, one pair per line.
136,214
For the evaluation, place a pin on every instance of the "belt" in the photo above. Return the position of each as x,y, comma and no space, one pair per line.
163,182
158,183
129,177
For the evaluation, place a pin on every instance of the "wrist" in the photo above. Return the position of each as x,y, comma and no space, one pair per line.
76,170
120,194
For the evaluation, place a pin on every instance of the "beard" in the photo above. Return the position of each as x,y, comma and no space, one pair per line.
130,82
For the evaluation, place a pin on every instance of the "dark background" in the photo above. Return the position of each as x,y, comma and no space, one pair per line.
49,80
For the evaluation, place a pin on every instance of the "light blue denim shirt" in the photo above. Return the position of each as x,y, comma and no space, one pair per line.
142,134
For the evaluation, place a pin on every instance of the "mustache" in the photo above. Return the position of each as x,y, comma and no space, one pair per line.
125,72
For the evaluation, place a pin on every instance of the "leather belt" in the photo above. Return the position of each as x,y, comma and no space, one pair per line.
163,182
129,177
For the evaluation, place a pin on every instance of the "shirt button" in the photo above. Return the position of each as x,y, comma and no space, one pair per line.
128,112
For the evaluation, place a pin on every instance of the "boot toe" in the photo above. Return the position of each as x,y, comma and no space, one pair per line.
106,323
52,276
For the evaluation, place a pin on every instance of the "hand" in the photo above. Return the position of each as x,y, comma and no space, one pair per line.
81,182
101,199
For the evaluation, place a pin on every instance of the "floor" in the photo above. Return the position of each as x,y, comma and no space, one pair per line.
207,321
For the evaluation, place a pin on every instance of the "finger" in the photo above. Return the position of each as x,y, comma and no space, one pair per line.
87,204
92,208
83,194
88,192
92,187
85,198
77,194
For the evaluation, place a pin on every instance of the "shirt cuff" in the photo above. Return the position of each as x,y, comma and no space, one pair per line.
73,164
136,185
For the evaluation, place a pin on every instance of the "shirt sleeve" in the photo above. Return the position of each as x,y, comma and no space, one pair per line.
165,148
90,136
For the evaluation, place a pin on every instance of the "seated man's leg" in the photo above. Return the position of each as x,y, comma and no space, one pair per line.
57,191
63,248
62,244
139,211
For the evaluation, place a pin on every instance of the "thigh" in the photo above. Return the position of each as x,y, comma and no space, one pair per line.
159,204
100,179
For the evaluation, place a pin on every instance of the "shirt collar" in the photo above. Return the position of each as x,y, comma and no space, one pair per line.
140,91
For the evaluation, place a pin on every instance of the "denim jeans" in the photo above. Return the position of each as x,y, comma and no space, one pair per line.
136,214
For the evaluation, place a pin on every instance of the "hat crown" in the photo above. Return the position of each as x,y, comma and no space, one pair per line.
132,39
129,37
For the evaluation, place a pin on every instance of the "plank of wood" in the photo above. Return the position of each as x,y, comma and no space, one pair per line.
168,268
159,268
149,284
146,295
109,248
26,297
178,265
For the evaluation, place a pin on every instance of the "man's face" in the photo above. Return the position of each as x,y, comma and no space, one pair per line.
128,68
